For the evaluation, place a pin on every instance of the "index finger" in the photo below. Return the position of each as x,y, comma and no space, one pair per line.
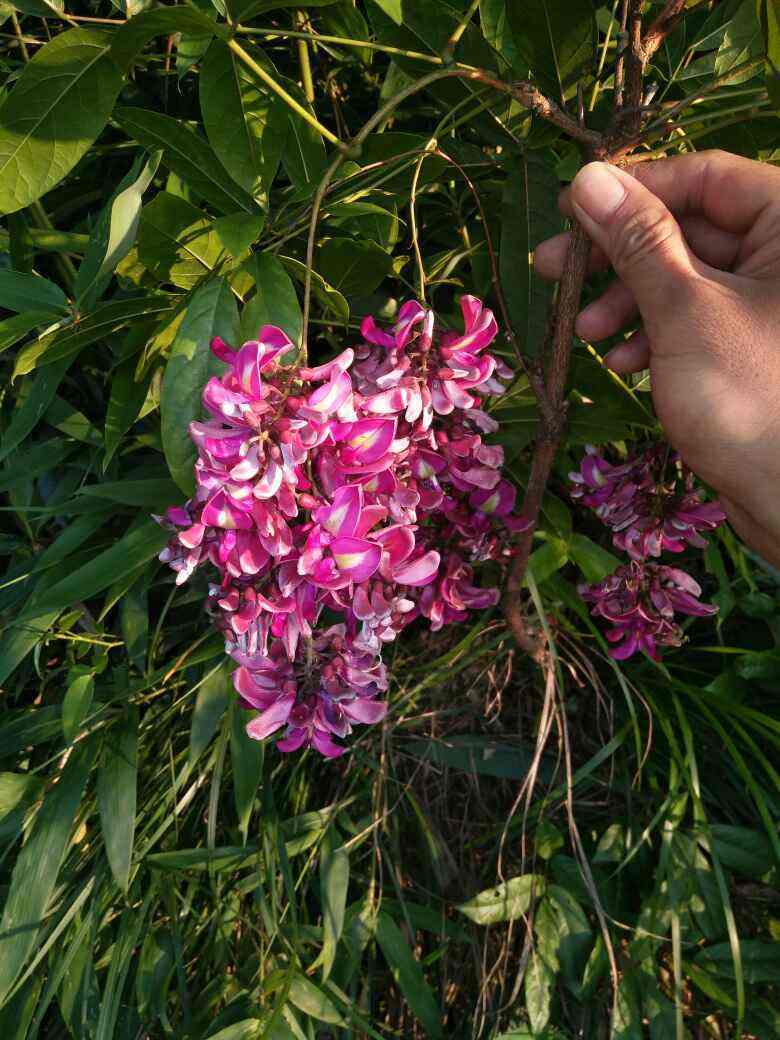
728,190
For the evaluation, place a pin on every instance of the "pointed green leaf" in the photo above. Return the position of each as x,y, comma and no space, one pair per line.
274,302
57,108
115,232
236,108
76,704
116,790
211,312
556,39
312,1001
188,155
529,214
408,974
352,266
334,882
30,292
214,694
246,757
37,866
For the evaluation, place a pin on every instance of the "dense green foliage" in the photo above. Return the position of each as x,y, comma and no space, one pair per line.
160,874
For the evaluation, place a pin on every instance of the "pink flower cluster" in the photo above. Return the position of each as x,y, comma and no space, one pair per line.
651,506
362,487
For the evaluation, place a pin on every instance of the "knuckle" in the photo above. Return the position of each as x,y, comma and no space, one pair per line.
644,234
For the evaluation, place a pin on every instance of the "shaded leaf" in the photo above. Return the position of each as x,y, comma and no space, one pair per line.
37,867
555,39
352,266
56,109
76,704
188,155
274,302
529,214
334,882
408,974
29,292
211,312
246,757
236,109
116,792
214,695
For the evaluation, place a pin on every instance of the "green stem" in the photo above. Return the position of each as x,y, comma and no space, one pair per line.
343,41
459,30
51,241
64,263
303,60
279,90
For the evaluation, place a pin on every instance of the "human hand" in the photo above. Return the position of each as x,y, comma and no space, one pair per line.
695,244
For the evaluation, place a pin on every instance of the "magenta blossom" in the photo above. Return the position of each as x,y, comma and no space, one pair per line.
640,601
649,502
364,486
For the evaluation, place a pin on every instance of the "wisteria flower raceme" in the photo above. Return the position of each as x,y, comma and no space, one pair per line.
640,601
363,486
651,506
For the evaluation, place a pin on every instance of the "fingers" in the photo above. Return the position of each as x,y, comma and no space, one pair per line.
715,247
728,191
631,356
549,257
606,315
640,236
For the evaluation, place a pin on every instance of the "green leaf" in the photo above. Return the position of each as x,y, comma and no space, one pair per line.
152,493
176,241
156,966
188,155
302,148
211,312
760,961
18,790
76,704
138,546
330,299
115,232
134,621
538,986
547,839
274,302
344,20
125,402
42,392
246,758
506,901
57,108
227,857
116,794
104,321
594,562
129,39
547,559
353,267
741,849
214,695
236,109
18,325
238,232
30,292
529,214
334,882
555,39
770,22
497,31
243,10
408,974
475,754
248,1029
37,866
742,40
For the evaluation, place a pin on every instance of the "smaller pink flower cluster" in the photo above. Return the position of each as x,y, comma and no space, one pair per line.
363,487
651,506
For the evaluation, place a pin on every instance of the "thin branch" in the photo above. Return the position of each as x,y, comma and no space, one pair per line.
458,31
552,419
665,23
279,90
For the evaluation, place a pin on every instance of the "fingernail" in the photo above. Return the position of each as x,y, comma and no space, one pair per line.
598,190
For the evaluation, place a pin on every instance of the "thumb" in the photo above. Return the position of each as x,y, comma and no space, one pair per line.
640,236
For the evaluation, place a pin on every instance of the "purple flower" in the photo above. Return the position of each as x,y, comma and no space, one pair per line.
640,601
649,502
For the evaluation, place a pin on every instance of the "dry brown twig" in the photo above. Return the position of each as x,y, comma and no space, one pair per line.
549,384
